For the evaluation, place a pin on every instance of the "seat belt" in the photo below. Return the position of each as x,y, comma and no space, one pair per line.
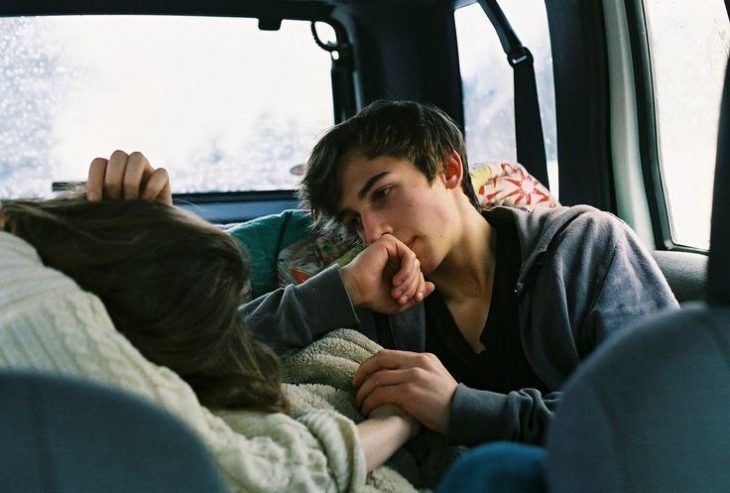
528,126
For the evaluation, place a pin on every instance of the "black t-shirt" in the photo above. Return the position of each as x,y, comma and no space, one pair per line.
502,366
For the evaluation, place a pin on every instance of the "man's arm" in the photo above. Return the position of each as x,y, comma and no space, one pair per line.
478,416
610,282
633,288
294,316
595,281
420,385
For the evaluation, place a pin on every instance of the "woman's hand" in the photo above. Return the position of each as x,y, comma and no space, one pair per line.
128,177
391,410
386,430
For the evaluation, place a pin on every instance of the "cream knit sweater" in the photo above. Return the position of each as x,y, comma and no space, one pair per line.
48,323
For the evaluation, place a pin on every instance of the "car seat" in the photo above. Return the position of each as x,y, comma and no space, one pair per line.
649,411
61,434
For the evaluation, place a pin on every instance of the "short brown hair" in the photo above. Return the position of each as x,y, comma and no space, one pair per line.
420,133
171,283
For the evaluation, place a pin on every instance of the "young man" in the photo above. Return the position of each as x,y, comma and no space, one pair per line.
521,298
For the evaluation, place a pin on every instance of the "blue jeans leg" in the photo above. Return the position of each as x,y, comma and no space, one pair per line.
499,467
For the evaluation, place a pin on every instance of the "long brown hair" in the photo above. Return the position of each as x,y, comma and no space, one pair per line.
171,283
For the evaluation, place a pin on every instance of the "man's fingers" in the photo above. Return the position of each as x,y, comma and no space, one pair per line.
385,394
367,367
95,180
115,175
382,378
385,359
421,386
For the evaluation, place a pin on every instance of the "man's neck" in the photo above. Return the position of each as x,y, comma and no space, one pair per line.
468,270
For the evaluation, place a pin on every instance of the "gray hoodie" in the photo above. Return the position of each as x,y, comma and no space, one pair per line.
584,277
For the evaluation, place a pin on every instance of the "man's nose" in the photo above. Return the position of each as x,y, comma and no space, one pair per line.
374,226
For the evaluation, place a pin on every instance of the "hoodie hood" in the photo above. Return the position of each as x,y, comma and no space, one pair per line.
536,230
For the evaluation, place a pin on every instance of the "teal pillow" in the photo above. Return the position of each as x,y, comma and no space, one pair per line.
264,237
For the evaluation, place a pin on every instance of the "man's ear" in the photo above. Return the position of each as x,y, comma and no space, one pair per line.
453,169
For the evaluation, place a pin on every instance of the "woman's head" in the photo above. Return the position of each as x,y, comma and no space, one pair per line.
171,283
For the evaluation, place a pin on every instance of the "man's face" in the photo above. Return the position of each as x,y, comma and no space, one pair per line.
390,195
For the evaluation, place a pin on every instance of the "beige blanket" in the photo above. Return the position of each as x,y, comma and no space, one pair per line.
320,376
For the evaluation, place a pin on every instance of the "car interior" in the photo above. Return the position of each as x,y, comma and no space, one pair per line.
568,93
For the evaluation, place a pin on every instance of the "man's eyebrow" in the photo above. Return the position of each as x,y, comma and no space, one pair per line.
369,184
341,216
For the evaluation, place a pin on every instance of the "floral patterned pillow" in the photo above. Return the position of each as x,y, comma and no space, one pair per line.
502,183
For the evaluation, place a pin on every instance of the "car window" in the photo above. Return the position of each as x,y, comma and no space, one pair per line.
487,81
222,105
688,46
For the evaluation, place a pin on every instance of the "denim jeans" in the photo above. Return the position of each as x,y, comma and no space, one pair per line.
499,467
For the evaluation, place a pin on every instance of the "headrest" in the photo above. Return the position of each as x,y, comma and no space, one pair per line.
718,266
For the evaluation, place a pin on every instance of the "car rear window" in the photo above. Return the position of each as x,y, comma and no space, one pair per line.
222,105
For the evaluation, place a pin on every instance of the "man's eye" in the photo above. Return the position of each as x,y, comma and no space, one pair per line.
383,192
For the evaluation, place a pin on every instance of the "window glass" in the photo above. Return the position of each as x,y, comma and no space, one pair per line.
221,104
487,78
688,43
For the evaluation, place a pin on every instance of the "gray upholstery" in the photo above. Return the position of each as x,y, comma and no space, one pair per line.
65,435
685,272
650,410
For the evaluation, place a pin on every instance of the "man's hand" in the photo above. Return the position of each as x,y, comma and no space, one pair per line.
416,382
386,277
129,177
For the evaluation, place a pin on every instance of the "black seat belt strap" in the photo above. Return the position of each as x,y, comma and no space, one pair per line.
528,126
